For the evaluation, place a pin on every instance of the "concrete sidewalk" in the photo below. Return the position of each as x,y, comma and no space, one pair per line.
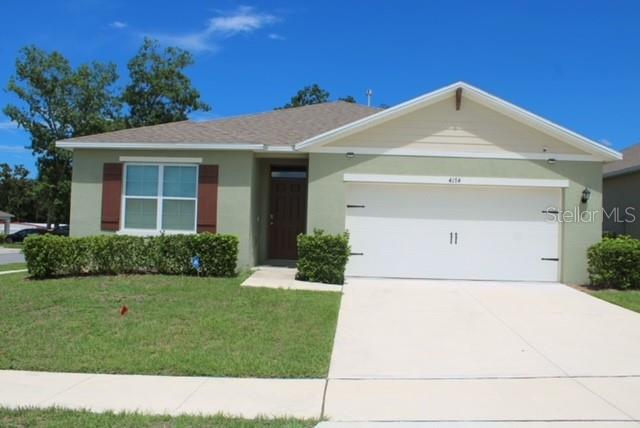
284,278
566,402
168,395
11,255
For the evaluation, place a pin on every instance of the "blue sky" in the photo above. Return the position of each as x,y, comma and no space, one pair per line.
574,62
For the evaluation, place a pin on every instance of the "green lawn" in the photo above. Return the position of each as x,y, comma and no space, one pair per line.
175,326
627,299
7,245
58,418
12,266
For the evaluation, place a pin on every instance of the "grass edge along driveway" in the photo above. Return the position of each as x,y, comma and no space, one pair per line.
173,325
629,299
49,418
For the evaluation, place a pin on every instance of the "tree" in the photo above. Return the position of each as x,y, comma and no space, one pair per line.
159,91
308,95
58,103
17,192
312,94
347,99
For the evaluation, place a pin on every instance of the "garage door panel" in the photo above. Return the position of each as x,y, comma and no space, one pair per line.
407,231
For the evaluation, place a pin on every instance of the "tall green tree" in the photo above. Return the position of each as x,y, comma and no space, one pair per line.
159,91
17,192
312,94
59,102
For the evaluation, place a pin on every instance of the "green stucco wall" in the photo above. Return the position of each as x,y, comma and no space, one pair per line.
326,209
623,192
243,193
234,192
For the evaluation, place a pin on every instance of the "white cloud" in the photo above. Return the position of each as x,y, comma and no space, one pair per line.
8,125
243,20
276,36
118,24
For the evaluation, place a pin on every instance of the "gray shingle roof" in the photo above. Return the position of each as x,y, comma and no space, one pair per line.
629,163
277,128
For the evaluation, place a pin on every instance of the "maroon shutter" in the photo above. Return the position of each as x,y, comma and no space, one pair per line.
208,198
111,196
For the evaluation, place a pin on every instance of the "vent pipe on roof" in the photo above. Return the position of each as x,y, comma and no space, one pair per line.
369,94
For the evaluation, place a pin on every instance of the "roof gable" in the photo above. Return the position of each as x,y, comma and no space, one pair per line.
542,138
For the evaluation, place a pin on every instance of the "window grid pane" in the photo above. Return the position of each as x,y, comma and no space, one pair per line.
178,214
179,181
142,180
140,213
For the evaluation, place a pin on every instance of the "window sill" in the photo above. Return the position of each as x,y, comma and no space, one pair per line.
148,232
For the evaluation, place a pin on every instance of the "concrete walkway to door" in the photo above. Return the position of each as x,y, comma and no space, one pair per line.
413,350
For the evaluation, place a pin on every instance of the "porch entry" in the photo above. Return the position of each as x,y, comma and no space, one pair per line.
287,210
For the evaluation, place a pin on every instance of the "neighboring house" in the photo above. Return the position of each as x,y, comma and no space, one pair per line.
622,194
453,184
5,218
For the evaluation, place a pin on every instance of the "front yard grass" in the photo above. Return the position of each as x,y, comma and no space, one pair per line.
174,326
58,418
629,299
12,266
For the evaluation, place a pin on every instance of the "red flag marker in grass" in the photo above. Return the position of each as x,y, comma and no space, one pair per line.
123,311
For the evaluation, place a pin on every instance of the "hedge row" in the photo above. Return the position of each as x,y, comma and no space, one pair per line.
323,257
614,262
50,255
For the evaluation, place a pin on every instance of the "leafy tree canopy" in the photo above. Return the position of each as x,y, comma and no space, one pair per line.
17,192
159,91
60,102
312,94
348,99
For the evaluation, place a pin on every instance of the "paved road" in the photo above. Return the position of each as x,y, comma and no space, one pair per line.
10,255
482,351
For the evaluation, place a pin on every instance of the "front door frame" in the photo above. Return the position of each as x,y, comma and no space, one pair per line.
272,252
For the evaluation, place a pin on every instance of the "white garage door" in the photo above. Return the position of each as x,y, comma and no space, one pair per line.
452,232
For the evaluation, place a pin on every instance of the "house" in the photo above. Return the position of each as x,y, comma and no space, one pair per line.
621,189
456,183
5,218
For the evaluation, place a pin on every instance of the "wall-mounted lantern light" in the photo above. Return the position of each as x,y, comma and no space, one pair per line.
350,155
586,194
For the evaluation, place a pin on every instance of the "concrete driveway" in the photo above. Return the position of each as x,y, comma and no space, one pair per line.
482,351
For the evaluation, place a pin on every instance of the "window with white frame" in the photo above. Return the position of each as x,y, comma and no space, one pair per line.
160,197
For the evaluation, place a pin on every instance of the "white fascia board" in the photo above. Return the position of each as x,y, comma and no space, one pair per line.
451,154
278,149
157,146
480,96
454,180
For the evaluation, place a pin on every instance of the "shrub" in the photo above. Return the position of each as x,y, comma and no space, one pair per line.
323,257
51,255
615,263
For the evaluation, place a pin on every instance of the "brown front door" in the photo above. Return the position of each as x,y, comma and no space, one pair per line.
288,211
